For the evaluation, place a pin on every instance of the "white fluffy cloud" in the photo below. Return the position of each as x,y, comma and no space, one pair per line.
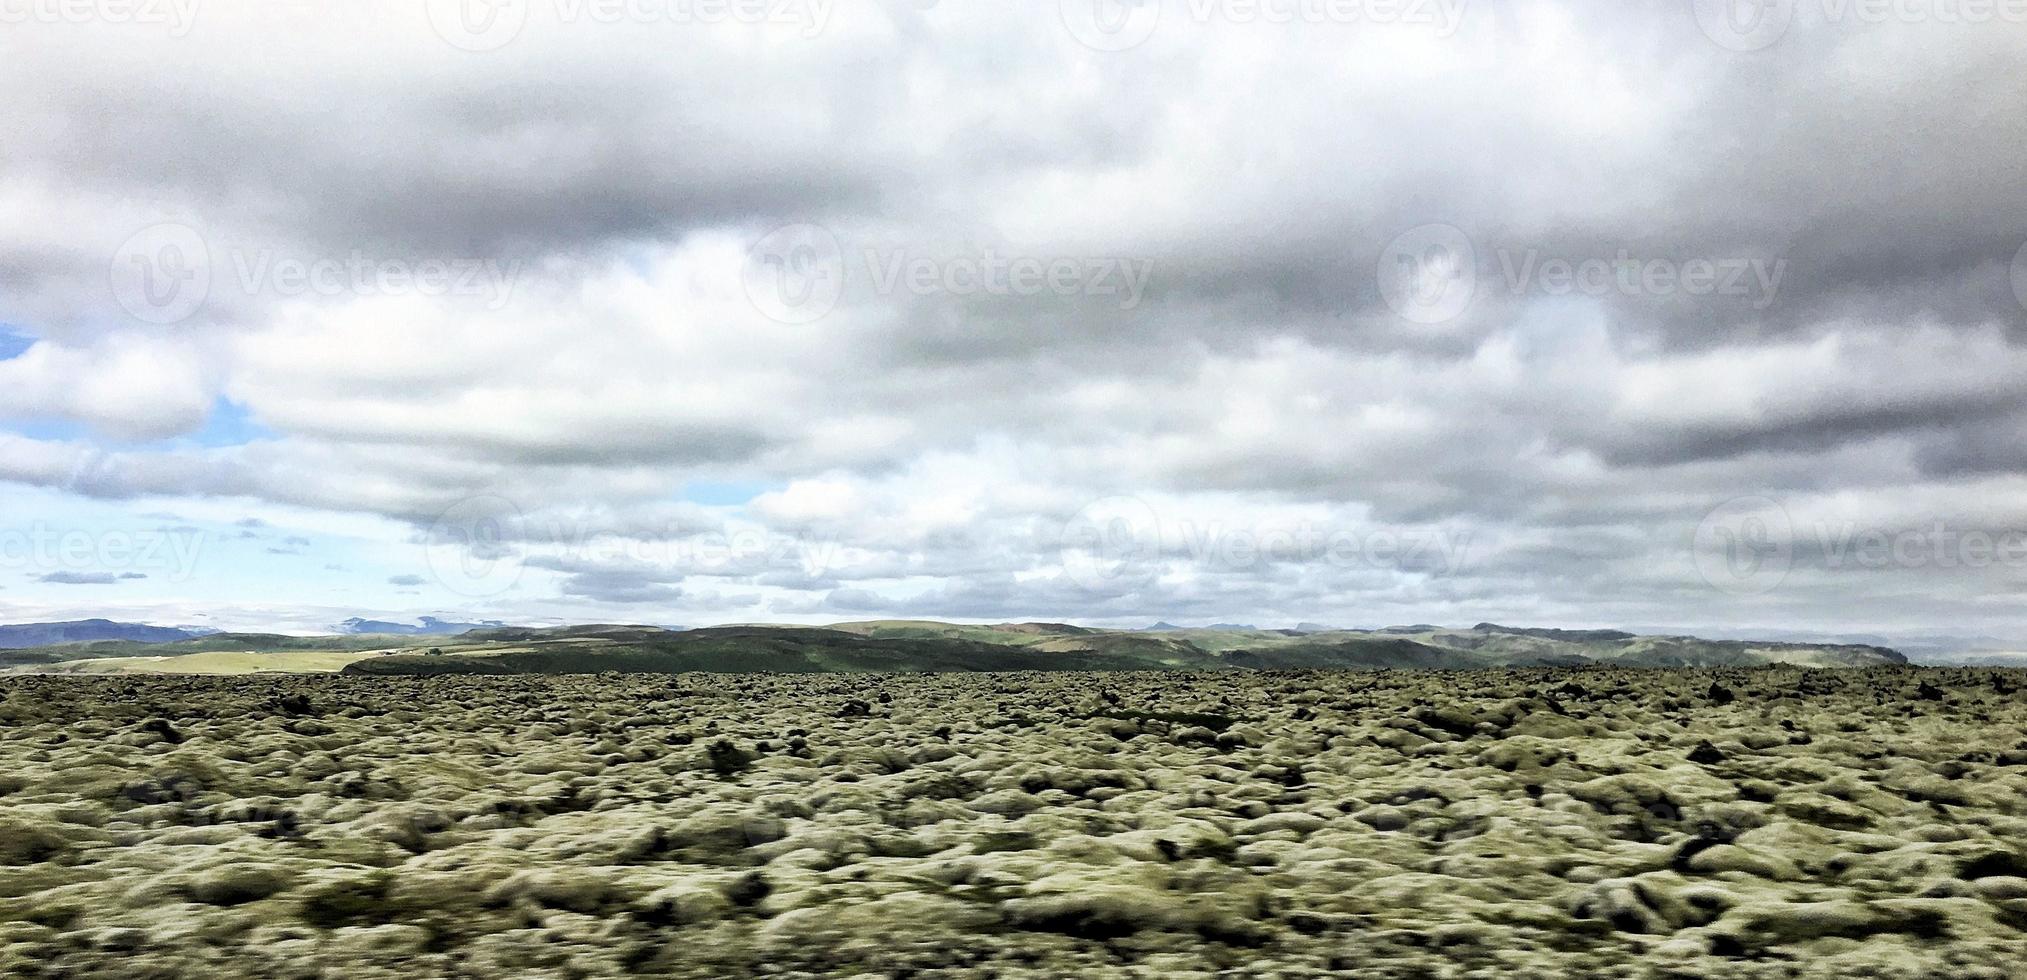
128,385
1077,334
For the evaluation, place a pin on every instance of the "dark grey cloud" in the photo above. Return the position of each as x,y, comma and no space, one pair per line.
1955,414
619,589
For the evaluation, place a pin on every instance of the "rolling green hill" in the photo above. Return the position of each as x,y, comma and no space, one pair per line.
251,643
912,646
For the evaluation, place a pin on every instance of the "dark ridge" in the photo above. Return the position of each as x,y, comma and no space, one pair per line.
1567,636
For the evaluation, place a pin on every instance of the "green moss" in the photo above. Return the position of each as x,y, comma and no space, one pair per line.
552,826
1013,840
352,900
1214,722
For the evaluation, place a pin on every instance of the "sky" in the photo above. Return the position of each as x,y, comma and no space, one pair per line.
1357,312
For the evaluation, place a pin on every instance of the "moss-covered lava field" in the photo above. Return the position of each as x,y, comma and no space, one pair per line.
1773,822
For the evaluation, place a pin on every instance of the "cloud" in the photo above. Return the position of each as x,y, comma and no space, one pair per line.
126,385
619,589
926,445
81,578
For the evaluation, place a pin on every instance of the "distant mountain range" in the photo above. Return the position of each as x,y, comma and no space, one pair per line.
907,645
89,630
31,635
910,645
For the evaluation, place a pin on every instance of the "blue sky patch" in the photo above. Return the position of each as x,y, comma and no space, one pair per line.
13,343
230,425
